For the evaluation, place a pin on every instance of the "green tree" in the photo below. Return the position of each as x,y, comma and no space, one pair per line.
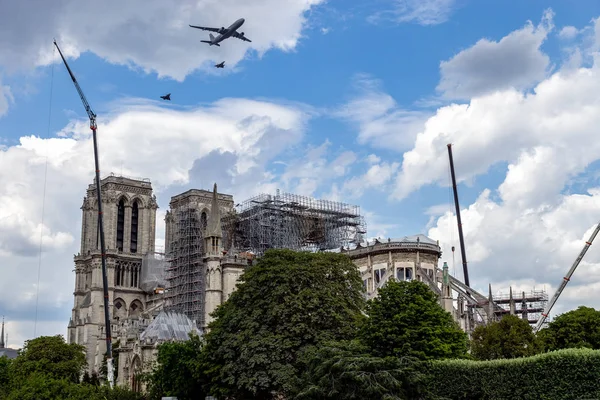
346,371
52,357
511,337
576,328
284,304
405,319
5,375
176,372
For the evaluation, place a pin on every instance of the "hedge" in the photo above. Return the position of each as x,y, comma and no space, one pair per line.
563,374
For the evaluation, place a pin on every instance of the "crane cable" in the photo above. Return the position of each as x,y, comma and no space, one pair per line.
37,288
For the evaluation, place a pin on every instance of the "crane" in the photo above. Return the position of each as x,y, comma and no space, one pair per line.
458,220
566,279
94,127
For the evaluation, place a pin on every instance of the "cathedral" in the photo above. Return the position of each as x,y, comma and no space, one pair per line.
143,312
154,297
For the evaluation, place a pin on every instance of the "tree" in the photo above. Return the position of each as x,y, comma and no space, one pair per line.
287,302
176,371
5,373
511,337
52,357
49,368
576,328
346,371
405,319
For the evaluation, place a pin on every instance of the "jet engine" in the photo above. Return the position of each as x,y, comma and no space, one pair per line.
242,34
222,29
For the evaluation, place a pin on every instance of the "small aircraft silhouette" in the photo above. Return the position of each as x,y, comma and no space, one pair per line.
220,65
166,97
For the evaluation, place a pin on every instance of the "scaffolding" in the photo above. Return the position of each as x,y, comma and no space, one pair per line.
153,275
289,221
527,305
185,273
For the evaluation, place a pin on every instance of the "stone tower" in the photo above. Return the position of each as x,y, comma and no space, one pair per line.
213,253
187,223
129,229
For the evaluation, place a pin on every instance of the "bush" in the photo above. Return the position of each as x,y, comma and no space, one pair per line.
564,374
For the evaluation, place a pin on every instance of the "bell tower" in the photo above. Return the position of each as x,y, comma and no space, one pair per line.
129,224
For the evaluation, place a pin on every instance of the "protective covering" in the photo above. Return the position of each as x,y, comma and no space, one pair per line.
153,274
170,326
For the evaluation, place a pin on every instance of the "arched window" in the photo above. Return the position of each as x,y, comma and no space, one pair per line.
134,227
203,221
120,224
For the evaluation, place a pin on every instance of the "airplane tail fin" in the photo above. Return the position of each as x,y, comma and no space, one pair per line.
212,38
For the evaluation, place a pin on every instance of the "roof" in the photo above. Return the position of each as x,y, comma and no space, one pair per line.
421,238
10,353
169,325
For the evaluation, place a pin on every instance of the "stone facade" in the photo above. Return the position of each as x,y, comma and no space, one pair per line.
129,209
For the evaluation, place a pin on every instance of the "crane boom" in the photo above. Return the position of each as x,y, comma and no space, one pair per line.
461,238
566,279
93,127
88,108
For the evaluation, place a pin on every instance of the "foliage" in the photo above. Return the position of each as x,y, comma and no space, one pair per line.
5,364
564,374
405,319
39,386
48,368
511,337
284,304
50,356
346,371
576,328
176,371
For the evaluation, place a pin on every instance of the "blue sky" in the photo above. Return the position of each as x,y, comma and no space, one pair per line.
347,100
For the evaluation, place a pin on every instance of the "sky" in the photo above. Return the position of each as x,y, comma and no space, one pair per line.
347,100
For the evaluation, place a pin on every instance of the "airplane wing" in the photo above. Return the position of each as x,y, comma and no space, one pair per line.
204,28
238,36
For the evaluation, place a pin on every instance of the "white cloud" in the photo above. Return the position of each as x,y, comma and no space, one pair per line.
308,173
528,231
380,121
152,35
422,12
568,32
376,226
377,178
516,61
232,142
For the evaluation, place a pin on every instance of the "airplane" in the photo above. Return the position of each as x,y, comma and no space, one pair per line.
166,97
224,33
221,65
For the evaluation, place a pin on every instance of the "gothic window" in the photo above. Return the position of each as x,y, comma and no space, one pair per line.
118,280
135,309
203,221
134,227
120,312
400,274
120,224
379,273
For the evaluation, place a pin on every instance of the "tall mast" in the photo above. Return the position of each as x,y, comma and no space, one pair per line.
93,127
463,253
